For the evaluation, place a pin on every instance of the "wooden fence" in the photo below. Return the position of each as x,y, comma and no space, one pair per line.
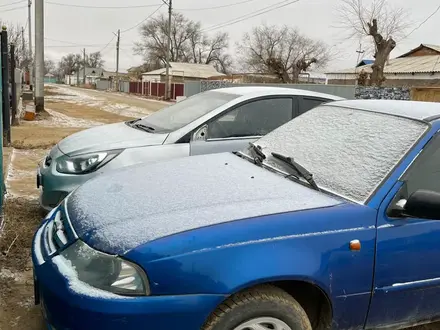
157,89
429,94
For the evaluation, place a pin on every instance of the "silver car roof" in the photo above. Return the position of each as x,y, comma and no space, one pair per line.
256,91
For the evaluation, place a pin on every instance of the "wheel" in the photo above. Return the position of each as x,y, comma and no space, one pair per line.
261,308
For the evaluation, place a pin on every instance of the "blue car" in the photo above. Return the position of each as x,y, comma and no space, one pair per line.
326,222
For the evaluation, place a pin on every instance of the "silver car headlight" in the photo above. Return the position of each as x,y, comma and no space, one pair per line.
85,163
106,272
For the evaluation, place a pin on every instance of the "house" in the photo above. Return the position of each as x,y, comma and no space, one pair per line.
182,72
417,67
92,74
49,78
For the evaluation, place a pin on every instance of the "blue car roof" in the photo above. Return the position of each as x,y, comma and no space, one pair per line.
417,110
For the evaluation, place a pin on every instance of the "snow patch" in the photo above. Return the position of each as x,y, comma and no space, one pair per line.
126,110
66,269
75,96
60,120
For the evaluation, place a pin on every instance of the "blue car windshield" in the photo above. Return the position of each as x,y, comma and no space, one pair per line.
184,112
348,151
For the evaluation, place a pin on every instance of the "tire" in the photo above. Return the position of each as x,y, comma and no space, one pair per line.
263,304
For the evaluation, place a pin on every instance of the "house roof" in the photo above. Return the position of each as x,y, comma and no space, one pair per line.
432,47
416,64
365,62
187,70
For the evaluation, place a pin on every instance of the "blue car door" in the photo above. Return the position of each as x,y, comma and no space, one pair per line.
407,272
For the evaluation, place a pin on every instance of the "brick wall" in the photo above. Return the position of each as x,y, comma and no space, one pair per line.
394,82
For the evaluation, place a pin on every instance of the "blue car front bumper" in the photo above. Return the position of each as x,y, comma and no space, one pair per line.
65,309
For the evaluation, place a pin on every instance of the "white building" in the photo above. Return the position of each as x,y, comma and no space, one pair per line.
181,72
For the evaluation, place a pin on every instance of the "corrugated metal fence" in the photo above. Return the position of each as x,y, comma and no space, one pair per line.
187,89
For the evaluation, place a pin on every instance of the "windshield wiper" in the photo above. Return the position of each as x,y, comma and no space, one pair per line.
144,127
298,168
259,155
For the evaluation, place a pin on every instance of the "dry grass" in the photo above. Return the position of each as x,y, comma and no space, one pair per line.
39,137
17,311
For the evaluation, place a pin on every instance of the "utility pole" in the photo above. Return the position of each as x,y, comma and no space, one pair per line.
359,51
84,65
30,62
117,59
167,83
39,55
13,87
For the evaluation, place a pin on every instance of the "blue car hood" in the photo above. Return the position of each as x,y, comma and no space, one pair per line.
120,210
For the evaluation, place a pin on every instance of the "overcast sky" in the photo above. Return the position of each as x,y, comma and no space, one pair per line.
69,29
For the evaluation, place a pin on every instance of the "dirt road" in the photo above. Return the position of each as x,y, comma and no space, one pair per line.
117,103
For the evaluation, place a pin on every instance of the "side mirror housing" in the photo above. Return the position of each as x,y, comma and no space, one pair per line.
200,134
424,204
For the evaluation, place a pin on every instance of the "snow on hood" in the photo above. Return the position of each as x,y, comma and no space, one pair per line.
108,137
123,209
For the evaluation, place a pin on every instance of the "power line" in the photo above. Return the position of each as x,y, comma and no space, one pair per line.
259,12
12,3
216,7
11,9
100,7
108,44
420,25
133,27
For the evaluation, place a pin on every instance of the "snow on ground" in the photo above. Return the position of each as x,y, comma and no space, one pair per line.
20,180
60,120
99,101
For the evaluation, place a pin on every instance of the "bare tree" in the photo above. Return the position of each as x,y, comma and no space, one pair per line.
69,63
281,51
16,37
378,21
188,43
94,60
49,66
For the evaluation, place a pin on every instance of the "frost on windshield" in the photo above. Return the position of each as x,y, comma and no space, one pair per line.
348,151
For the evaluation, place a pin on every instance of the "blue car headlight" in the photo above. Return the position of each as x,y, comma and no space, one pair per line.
106,272
85,163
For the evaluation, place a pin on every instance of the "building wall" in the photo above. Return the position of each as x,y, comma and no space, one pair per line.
393,82
342,91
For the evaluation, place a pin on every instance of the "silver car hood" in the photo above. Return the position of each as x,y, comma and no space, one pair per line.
120,210
108,137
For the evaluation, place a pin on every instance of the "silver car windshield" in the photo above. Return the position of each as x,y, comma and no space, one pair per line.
349,152
184,112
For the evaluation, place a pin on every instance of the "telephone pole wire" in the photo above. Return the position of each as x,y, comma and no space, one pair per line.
117,59
167,83
39,55
84,65
30,61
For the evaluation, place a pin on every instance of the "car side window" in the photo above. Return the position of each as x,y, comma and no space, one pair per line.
309,103
424,173
255,118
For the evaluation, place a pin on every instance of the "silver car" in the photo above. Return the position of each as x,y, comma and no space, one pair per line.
215,121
